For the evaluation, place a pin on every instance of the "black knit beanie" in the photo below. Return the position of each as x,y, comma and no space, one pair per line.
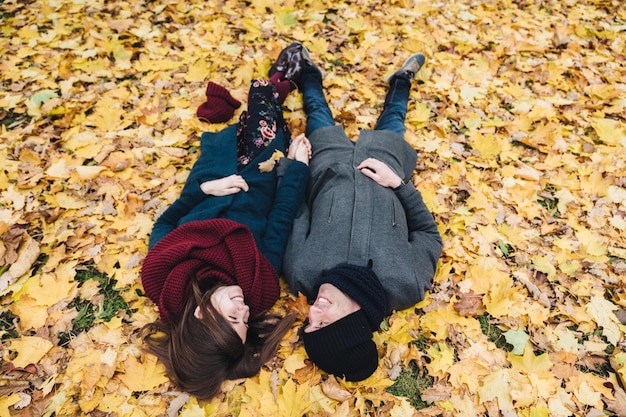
362,285
344,348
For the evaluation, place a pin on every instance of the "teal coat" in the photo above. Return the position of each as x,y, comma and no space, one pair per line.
267,208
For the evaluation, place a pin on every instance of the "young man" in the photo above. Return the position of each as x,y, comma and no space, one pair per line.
364,243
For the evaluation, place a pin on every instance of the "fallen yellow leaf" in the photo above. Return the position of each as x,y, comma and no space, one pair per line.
142,375
30,350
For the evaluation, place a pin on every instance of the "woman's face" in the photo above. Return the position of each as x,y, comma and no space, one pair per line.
229,302
330,305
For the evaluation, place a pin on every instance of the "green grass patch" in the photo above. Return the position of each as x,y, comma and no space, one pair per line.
11,119
507,250
493,332
7,325
89,313
410,384
548,200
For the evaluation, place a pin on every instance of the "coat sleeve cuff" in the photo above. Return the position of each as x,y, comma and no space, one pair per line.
284,164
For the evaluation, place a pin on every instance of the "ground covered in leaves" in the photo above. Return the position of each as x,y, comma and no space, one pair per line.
520,124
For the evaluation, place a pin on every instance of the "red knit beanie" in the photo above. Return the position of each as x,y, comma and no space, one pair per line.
219,106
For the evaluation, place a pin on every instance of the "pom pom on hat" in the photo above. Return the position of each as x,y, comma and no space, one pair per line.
219,106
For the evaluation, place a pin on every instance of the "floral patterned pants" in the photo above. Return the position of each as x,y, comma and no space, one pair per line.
259,125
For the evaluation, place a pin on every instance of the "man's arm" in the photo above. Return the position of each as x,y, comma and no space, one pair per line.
423,233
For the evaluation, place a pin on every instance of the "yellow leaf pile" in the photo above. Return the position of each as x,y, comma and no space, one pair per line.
519,120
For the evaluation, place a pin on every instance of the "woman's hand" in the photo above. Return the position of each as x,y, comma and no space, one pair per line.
380,172
224,186
300,149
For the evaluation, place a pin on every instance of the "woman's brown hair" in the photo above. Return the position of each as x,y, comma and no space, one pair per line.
199,354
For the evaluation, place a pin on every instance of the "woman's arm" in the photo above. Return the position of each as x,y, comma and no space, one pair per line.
189,198
168,221
225,186
293,175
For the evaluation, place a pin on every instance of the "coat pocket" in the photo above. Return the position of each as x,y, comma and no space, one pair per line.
329,215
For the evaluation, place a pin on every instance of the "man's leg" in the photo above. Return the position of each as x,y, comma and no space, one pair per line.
397,99
315,106
396,102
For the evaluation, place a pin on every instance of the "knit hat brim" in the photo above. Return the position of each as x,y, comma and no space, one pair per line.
344,348
362,285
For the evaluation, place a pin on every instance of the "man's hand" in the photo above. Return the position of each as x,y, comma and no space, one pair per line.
300,149
380,172
224,186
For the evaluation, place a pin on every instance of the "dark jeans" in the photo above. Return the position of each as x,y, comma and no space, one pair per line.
319,115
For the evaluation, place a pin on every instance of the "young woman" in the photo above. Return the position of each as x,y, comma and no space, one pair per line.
215,255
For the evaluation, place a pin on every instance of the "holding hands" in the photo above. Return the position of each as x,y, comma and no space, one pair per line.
300,149
380,172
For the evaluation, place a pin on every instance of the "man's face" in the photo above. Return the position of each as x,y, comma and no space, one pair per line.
330,305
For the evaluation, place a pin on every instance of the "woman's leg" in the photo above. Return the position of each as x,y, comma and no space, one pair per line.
260,124
282,86
318,113
396,102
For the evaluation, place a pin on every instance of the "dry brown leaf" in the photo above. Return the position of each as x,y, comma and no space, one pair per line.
437,393
333,390
469,304
299,305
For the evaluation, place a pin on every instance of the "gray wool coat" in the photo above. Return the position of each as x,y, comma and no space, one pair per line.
347,217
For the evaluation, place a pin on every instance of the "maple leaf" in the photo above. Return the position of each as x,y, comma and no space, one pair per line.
401,324
531,364
299,304
293,400
442,358
518,339
42,97
469,304
259,395
602,312
107,115
6,402
25,256
29,350
332,389
198,71
142,375
403,409
610,131
498,386
295,360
